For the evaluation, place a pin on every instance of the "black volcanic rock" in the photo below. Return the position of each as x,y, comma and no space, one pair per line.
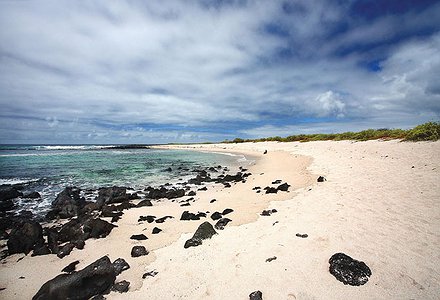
97,228
138,237
9,192
68,203
32,195
65,250
156,230
162,192
321,179
220,225
203,232
25,237
283,187
149,219
115,194
120,265
227,211
268,212
144,203
70,267
348,270
121,287
95,279
216,215
163,219
257,295
137,251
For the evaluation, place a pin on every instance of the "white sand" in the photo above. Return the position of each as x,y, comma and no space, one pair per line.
374,207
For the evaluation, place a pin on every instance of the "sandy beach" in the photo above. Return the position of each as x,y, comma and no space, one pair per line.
379,204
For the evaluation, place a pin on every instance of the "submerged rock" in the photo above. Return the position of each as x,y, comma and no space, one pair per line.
348,270
94,279
205,231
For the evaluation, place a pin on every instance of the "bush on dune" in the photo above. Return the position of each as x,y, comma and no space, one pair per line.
426,132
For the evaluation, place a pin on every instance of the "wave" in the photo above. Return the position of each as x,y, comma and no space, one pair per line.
13,181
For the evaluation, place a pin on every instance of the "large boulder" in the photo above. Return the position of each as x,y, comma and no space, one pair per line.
348,270
205,231
68,203
95,279
113,194
9,192
163,192
25,237
97,228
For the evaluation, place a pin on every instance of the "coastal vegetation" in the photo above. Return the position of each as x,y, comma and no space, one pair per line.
429,131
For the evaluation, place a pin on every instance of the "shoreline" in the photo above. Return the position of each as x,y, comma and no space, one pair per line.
378,205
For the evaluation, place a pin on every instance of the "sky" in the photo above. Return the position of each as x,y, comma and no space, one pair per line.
156,71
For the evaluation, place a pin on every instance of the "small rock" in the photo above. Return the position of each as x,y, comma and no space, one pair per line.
321,179
227,211
203,188
156,230
220,225
65,250
278,181
121,286
144,203
191,193
257,295
151,274
185,204
268,212
138,251
163,219
305,235
215,216
283,187
70,267
265,152
271,259
149,219
43,250
348,270
213,200
32,195
138,237
120,265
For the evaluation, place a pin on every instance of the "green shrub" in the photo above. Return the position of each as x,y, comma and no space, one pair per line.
425,132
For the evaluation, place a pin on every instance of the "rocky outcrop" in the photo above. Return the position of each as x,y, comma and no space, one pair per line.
68,203
113,194
348,270
163,192
25,237
205,231
97,278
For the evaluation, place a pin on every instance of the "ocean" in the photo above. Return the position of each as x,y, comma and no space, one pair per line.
48,169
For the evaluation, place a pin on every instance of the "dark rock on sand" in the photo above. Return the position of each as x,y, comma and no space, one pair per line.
220,225
257,295
283,187
120,265
65,250
348,270
271,190
203,188
137,251
321,179
271,259
115,194
268,212
185,204
163,219
213,200
215,216
156,230
94,279
278,181
149,219
43,250
138,237
97,228
70,267
191,193
151,274
205,231
144,203
71,231
25,237
227,211
163,192
121,286
265,152
187,216
305,235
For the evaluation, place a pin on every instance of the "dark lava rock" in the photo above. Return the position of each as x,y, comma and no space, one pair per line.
271,190
256,188
321,179
163,219
25,237
187,216
149,219
265,152
226,184
205,231
70,267
220,225
163,192
110,211
113,194
213,200
268,212
6,205
144,203
65,250
257,295
278,181
191,193
97,228
9,192
32,195
305,235
94,279
185,204
121,286
120,265
215,216
227,211
43,250
138,237
71,231
283,187
203,188
271,259
68,203
348,270
151,274
137,251
169,169
79,244
156,230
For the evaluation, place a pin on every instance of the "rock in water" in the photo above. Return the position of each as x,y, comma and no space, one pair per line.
94,279
25,237
137,251
348,270
257,295
205,231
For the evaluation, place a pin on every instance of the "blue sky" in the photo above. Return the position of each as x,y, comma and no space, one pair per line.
187,71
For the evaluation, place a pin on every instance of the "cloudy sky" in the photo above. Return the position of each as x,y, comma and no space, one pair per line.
185,71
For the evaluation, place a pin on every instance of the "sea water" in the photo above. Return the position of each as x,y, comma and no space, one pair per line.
49,169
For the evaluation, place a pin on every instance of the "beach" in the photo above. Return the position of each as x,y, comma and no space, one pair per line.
379,204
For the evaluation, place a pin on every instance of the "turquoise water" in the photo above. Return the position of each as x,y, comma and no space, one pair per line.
48,169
